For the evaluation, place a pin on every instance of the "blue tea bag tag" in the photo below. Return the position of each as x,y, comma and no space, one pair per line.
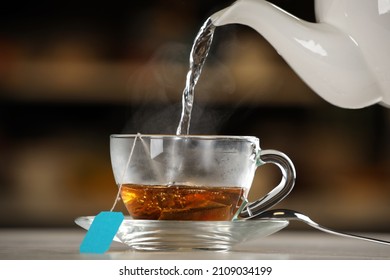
101,232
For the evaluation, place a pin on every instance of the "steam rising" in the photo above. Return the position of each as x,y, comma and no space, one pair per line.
159,84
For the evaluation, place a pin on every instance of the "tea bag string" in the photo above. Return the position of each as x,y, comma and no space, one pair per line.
117,198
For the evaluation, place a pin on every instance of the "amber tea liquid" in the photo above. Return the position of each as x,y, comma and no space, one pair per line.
178,202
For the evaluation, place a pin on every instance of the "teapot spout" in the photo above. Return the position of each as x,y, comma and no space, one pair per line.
326,58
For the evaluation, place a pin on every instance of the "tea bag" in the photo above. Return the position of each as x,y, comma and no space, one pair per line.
101,232
208,211
106,224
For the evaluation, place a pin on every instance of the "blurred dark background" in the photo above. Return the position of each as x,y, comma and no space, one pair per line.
72,73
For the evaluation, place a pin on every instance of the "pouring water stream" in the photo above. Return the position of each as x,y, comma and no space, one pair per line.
198,55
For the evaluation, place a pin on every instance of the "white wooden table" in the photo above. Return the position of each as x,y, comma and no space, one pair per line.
63,244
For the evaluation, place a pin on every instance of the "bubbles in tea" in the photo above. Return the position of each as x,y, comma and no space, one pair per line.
180,202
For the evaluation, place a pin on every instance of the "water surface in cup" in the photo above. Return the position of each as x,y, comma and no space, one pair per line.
181,202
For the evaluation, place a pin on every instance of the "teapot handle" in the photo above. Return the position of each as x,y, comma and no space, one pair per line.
285,186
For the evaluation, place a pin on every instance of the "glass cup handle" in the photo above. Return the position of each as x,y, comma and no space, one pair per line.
252,209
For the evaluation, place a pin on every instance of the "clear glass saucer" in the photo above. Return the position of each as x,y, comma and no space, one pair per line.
154,235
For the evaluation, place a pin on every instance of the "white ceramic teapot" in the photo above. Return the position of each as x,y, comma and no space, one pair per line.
344,57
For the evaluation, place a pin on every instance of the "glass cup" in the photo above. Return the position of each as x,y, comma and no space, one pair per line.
193,177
